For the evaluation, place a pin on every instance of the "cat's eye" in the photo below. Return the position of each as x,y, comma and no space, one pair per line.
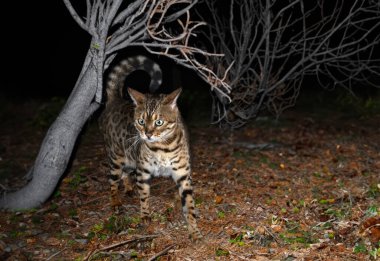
141,121
159,122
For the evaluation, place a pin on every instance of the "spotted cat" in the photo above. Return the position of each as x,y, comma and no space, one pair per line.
147,137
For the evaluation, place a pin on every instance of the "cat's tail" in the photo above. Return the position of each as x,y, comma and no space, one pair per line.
116,78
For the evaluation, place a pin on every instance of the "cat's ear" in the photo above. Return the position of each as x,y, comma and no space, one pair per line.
171,98
137,97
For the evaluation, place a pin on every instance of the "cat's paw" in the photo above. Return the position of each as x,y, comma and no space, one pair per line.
196,236
128,192
116,205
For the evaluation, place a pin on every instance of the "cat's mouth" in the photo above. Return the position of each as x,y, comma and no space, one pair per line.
150,138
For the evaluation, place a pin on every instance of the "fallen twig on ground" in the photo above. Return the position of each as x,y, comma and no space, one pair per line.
55,254
137,239
254,146
161,253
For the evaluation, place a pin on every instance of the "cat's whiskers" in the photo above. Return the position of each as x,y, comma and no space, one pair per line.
130,144
136,142
164,140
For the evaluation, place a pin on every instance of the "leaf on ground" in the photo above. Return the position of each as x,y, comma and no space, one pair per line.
370,228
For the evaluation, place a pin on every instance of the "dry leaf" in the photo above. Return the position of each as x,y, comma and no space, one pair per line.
218,199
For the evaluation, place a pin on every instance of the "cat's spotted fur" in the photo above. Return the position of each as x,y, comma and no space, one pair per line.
147,137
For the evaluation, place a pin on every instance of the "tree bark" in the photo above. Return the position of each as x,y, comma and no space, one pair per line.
59,142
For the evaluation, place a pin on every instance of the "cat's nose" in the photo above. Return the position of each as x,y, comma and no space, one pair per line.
148,134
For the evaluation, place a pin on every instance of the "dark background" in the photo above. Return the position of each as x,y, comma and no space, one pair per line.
44,49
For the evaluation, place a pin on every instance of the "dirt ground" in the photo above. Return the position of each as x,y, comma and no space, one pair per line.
304,188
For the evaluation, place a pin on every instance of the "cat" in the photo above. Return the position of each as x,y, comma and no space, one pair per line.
146,136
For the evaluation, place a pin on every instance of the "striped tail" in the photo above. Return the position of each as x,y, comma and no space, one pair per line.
116,77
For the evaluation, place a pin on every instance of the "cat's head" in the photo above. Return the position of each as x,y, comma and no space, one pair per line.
156,116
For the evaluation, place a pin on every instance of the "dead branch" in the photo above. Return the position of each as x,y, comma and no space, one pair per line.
271,45
163,27
56,254
161,253
106,248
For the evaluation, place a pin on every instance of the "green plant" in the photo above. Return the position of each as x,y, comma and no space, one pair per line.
238,240
73,213
198,201
327,201
295,235
97,230
372,251
375,251
303,237
57,194
360,248
116,224
372,211
17,233
341,211
77,178
295,210
221,252
373,191
71,242
221,214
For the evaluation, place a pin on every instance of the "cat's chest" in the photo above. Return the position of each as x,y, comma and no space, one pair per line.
162,160
161,165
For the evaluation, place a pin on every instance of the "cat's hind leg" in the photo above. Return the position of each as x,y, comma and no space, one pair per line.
116,168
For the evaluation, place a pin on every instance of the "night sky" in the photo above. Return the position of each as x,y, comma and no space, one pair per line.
44,50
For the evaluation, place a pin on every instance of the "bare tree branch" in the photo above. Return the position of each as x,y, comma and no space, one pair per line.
165,27
275,44
75,15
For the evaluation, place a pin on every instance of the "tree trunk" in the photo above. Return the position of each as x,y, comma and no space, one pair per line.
59,142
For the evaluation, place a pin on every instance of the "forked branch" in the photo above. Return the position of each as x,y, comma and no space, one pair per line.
274,44
163,27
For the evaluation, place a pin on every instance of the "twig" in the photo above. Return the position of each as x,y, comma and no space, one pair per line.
56,254
93,200
141,238
161,253
239,256
125,255
253,146
273,236
266,72
89,255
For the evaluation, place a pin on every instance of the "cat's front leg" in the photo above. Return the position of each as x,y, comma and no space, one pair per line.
143,177
127,179
181,176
